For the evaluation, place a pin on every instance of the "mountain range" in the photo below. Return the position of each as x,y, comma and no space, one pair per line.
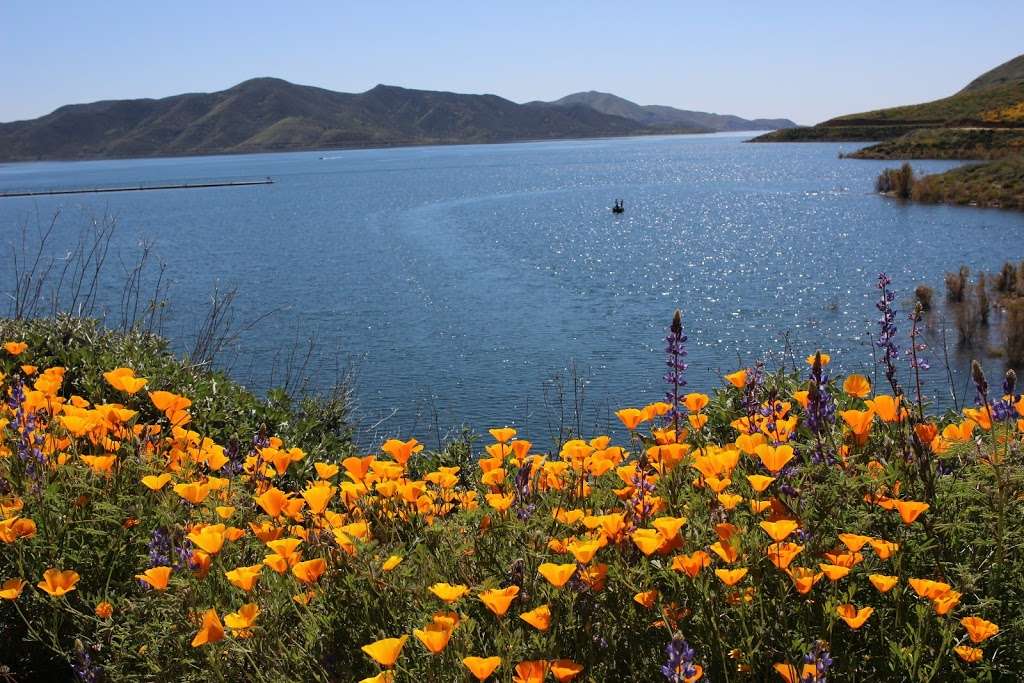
270,114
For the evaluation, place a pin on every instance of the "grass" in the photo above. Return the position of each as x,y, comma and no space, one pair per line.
948,143
997,184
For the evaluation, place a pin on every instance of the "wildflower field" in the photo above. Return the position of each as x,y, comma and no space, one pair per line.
160,522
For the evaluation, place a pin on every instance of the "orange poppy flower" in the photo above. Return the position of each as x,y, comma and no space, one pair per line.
886,407
825,358
209,539
725,550
883,583
11,589
779,531
310,570
532,671
244,577
774,458
558,574
244,618
498,600
730,577
759,482
958,433
584,551
729,500
803,578
691,564
926,588
481,667
883,549
738,379
538,617
434,636
833,572
57,582
156,482
646,598
854,542
211,631
15,348
391,563
318,497
857,386
695,402
859,422
909,510
565,670
942,605
156,577
273,501
790,675
630,417
448,592
647,540
854,617
503,434
194,492
401,451
385,651
978,629
100,464
781,554
124,379
971,655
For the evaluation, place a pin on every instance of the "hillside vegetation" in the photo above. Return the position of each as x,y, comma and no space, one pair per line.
269,114
984,121
994,99
948,143
660,116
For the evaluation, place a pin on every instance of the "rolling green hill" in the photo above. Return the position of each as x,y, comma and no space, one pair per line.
268,114
659,116
993,100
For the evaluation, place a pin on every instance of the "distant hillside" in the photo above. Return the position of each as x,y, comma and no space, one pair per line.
1004,74
660,116
993,100
268,114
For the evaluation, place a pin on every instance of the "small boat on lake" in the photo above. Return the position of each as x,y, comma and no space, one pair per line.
619,206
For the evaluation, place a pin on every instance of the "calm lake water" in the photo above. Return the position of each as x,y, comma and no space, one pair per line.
461,280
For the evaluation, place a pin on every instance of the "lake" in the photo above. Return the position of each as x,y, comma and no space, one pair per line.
461,280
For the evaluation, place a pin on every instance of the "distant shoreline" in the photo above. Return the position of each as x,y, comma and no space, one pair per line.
388,145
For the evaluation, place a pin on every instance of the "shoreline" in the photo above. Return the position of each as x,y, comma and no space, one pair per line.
370,146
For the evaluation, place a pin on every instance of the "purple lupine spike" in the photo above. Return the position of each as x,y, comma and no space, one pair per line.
887,332
675,348
679,663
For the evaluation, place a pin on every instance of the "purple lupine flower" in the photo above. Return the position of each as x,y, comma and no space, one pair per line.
679,665
29,441
165,552
917,361
887,332
643,489
750,403
822,661
1004,409
675,348
523,495
85,670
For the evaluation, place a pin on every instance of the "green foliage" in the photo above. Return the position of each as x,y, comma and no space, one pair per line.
487,531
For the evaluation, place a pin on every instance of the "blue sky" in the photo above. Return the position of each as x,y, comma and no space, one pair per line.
803,60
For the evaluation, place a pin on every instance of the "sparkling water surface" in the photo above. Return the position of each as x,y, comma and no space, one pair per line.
461,280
